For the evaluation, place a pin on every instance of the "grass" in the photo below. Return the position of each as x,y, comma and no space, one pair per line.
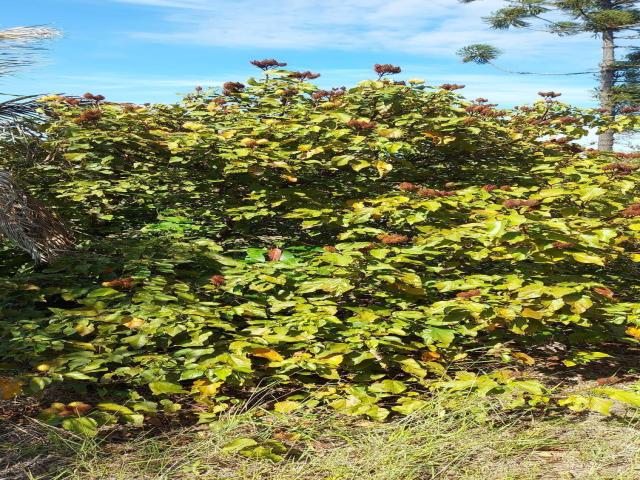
467,440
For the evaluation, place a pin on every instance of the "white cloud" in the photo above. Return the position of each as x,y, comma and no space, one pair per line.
435,27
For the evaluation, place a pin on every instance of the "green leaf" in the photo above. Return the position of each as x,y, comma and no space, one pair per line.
83,426
161,388
239,444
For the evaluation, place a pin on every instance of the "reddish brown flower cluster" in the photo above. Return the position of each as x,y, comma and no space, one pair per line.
562,245
408,187
328,94
302,76
491,188
289,92
451,86
71,101
566,120
632,210
129,107
516,203
89,116
230,88
560,140
621,169
604,111
217,280
628,156
630,109
481,100
330,249
361,124
549,94
431,193
469,294
95,98
383,69
393,239
268,63
274,254
120,283
487,110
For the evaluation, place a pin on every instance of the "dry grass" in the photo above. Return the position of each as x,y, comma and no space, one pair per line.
466,441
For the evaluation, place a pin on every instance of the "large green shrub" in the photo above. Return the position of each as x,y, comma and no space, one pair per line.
357,247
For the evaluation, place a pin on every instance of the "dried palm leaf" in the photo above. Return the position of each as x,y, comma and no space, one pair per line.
30,224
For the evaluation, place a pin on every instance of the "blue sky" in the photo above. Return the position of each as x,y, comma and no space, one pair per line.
150,50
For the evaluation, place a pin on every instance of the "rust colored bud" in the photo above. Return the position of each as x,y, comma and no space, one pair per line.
330,249
217,280
490,188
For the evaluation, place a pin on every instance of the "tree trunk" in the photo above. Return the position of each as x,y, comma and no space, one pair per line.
607,79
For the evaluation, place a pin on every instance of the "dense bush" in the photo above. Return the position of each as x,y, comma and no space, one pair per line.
356,247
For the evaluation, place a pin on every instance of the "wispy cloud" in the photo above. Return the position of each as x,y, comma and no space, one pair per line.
436,27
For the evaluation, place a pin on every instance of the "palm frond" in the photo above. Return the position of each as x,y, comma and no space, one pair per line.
20,46
30,225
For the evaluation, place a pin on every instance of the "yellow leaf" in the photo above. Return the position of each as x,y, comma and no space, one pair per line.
134,323
383,168
267,353
524,358
529,313
206,388
286,406
10,387
633,332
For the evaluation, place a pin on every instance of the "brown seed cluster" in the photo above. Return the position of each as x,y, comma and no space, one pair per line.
451,86
268,63
469,294
566,120
302,76
491,188
516,203
89,116
408,187
383,69
562,245
230,88
621,169
361,124
330,249
328,94
91,96
549,94
627,156
217,280
631,211
432,193
630,109
393,238
486,110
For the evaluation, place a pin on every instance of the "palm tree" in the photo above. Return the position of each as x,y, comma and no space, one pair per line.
23,219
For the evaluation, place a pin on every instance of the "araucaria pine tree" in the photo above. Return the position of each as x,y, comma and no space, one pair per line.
609,20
